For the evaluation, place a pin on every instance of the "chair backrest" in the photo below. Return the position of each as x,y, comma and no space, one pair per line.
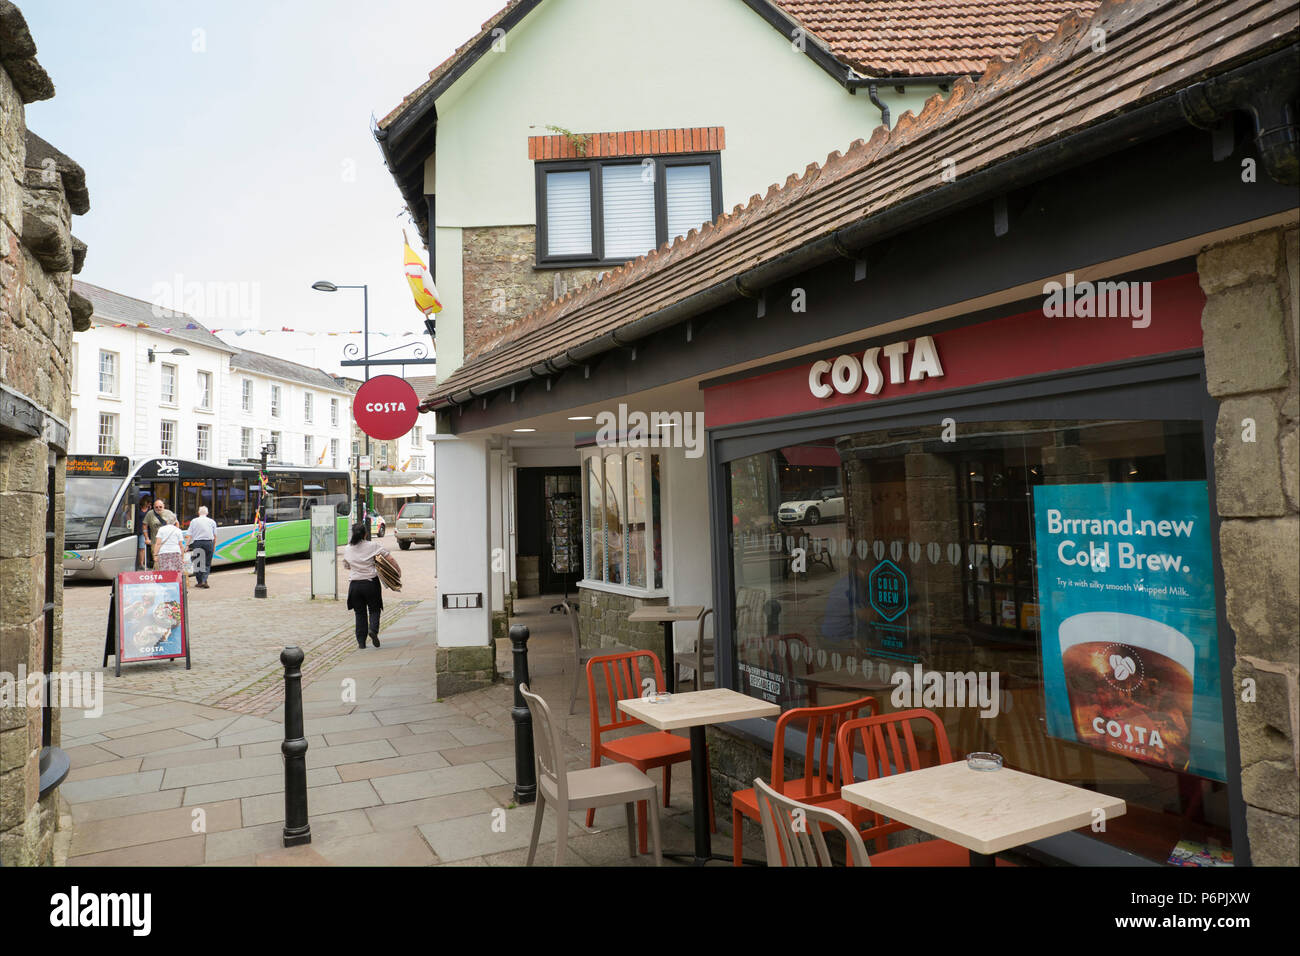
888,745
819,752
792,831
699,637
547,748
623,675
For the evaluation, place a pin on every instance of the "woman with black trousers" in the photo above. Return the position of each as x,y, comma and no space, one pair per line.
364,591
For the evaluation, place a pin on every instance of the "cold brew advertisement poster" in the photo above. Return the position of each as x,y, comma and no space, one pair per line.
1129,627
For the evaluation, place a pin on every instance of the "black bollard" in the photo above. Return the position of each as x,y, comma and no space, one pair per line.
297,829
525,766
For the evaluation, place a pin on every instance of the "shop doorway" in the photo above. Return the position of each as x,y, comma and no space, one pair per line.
549,529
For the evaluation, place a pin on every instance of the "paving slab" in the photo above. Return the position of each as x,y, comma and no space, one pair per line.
488,833
221,770
467,803
387,767
153,827
125,806
151,742
392,848
101,789
187,851
432,783
110,768
326,799
253,786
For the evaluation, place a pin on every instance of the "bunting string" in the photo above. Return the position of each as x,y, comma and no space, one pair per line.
282,329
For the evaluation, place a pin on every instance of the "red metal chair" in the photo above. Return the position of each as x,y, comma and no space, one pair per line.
888,745
819,781
623,676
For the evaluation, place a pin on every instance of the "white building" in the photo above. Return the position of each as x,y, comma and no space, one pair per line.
133,395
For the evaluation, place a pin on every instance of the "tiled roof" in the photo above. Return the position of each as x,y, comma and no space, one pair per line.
114,307
928,37
1046,93
283,368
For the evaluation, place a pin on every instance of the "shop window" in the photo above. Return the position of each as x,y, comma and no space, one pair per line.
621,525
1057,577
602,211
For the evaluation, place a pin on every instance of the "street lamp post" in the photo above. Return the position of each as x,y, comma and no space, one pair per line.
324,286
259,590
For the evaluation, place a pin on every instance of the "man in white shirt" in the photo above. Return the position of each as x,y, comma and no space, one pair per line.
203,537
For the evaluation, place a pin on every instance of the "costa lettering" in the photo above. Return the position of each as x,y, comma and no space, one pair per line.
385,407
902,363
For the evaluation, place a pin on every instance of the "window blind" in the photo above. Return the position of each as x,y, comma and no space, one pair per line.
689,193
568,213
628,205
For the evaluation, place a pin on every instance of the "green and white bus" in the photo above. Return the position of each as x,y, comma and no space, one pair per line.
103,496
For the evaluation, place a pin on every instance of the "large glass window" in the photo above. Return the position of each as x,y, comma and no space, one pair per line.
107,434
107,375
205,390
1056,576
621,524
167,439
168,391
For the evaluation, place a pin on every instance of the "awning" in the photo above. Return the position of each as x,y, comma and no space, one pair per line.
403,491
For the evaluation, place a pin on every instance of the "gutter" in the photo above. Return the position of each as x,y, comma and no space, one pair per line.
1264,88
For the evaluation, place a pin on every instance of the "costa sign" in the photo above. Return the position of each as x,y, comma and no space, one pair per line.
385,407
904,363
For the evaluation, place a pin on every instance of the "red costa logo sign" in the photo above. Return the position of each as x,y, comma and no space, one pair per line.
385,407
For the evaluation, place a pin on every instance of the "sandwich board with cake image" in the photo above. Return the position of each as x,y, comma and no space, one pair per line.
148,619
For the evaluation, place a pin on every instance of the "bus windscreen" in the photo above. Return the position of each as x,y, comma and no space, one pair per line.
89,501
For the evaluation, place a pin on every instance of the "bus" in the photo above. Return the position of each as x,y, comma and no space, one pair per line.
102,508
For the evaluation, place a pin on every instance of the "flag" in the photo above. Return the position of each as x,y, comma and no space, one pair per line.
322,454
417,274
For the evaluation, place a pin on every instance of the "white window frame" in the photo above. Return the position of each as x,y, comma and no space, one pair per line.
334,413
308,409
417,437
163,397
278,439
308,450
246,395
165,439
112,420
417,463
246,443
334,452
205,391
200,431
116,360
276,395
599,584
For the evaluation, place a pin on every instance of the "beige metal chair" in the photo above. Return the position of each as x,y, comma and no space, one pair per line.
583,654
594,787
792,832
699,658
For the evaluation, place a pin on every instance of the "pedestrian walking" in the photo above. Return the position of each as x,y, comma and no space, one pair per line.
364,592
203,537
168,548
142,541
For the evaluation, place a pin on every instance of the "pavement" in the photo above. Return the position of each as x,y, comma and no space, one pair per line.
183,768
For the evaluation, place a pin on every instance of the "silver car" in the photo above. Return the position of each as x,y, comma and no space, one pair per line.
414,523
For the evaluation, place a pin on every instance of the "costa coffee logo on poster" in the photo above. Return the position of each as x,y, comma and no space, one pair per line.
385,407
848,371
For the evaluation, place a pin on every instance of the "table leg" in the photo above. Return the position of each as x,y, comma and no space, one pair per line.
700,795
670,668
982,859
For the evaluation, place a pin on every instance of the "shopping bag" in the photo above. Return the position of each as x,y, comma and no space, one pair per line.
390,574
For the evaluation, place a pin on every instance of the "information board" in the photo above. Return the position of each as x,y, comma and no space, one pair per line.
149,618
1129,624
324,552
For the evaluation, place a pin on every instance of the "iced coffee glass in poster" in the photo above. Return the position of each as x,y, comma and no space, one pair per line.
151,615
1130,631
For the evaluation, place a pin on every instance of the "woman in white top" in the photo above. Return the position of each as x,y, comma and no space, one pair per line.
168,546
364,591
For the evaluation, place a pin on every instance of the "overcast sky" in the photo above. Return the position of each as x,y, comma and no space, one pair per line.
229,142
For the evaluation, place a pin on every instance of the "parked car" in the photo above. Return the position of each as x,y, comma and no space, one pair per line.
821,504
415,523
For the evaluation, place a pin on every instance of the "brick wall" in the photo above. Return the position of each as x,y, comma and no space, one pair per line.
1252,337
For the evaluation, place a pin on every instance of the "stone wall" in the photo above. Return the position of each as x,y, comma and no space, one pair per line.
602,621
40,189
501,283
1251,329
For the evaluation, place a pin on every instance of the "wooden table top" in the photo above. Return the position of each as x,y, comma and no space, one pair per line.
716,705
668,612
983,810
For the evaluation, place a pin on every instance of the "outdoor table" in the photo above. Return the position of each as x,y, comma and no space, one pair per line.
695,710
986,811
668,615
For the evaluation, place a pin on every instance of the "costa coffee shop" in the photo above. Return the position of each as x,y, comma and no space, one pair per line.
1001,421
